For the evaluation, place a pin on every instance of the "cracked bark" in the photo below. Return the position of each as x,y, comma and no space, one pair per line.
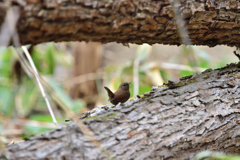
176,121
209,22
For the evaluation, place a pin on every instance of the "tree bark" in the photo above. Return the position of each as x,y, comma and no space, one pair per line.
88,58
174,121
208,22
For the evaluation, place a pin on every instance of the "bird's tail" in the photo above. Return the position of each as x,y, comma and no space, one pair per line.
110,93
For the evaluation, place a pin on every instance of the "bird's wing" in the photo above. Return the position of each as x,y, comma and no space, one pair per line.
110,93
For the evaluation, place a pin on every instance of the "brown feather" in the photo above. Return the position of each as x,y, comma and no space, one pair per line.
121,95
110,93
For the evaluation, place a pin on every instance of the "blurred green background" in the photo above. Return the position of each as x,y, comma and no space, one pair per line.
78,71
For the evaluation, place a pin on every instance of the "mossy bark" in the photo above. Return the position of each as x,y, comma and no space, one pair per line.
176,121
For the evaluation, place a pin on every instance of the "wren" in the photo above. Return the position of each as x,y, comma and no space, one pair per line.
121,95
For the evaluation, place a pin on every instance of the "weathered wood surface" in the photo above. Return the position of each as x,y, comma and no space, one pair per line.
172,122
209,22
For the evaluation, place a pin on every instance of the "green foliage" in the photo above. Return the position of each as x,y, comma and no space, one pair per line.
26,96
24,99
6,58
6,88
74,105
30,130
185,73
210,155
144,88
44,61
41,117
124,73
6,100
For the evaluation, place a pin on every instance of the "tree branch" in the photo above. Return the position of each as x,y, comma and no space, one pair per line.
138,21
174,121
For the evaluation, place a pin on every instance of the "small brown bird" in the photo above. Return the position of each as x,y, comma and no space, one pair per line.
121,95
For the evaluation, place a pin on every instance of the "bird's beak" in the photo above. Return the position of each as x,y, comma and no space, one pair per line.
129,82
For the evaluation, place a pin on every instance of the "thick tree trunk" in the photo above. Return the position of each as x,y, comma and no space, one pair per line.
175,121
87,59
209,22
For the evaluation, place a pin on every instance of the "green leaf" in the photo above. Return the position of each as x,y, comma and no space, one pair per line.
49,58
42,118
6,60
43,57
203,154
144,88
6,100
28,94
214,156
33,130
185,73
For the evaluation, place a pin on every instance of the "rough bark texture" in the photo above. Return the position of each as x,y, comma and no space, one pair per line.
175,121
209,22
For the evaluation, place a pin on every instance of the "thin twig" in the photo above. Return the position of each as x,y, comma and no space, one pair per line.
39,84
180,67
86,131
9,26
136,77
24,63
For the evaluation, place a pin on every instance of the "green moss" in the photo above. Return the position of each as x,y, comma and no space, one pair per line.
191,81
101,117
179,83
164,85
130,98
94,117
110,115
